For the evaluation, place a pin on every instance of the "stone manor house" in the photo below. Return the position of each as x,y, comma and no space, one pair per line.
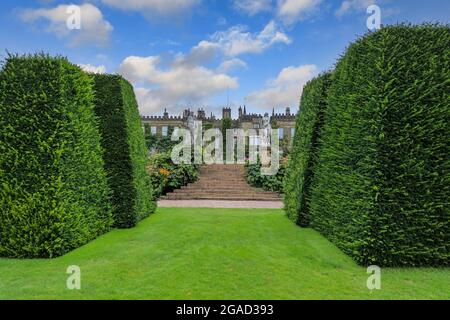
285,122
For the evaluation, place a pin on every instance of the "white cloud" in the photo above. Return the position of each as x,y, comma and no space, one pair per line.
285,90
291,11
349,6
231,64
162,7
237,40
252,7
92,69
94,28
202,53
186,78
181,83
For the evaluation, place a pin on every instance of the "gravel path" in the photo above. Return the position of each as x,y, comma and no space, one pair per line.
220,204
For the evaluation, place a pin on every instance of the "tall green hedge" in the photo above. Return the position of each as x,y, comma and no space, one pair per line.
53,188
382,186
125,151
302,160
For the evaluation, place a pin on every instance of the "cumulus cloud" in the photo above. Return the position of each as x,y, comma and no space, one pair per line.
231,64
161,7
237,40
187,77
181,83
94,28
285,90
291,11
252,7
287,11
202,53
92,69
349,6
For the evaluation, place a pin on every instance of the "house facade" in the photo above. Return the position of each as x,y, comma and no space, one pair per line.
159,125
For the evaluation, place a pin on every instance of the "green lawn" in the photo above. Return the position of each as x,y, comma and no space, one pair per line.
213,254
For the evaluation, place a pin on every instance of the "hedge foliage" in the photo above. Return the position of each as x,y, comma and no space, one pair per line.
167,176
381,189
304,154
125,150
266,182
53,188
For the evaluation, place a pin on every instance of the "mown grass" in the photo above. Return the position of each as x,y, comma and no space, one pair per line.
186,253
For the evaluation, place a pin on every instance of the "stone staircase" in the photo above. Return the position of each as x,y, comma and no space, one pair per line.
222,182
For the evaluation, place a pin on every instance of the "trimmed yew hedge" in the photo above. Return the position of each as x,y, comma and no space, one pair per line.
300,170
53,188
125,151
381,188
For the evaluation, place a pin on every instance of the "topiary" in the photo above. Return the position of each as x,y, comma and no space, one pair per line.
303,158
125,153
54,195
382,183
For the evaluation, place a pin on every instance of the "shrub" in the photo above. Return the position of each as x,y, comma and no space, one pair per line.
125,151
268,183
382,186
303,158
167,176
53,188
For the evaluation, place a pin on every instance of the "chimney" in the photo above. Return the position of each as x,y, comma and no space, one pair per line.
201,114
288,111
226,113
240,112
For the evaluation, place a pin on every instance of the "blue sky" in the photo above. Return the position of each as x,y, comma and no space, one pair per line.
182,53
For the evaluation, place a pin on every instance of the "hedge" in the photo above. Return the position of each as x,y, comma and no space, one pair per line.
303,158
125,151
382,186
53,188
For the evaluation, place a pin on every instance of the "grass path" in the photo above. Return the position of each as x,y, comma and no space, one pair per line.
187,253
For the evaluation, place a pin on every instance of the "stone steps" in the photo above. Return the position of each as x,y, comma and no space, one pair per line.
221,191
219,197
222,182
222,194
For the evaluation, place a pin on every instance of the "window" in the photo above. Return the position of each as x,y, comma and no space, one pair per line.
165,130
281,133
256,126
153,130
292,133
254,140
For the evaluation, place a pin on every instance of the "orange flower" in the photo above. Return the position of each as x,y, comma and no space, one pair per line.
164,171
